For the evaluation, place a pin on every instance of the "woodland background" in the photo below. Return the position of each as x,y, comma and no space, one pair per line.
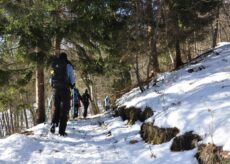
114,45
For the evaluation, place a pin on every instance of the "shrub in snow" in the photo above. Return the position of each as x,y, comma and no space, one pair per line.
187,141
147,113
155,135
132,114
212,154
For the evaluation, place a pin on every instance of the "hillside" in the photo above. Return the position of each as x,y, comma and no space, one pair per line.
194,98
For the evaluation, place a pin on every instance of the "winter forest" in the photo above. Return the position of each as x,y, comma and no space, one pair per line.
132,51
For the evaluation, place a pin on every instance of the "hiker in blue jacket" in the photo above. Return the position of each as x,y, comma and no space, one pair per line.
62,79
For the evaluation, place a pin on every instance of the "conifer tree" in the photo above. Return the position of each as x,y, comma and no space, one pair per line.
184,17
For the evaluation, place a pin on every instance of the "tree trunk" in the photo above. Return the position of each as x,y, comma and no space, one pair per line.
57,45
21,120
95,108
189,55
40,95
12,120
152,35
33,115
1,128
4,123
7,120
216,28
137,71
178,62
26,119
16,121
137,29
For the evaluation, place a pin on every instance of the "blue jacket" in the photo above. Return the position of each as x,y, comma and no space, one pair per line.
70,74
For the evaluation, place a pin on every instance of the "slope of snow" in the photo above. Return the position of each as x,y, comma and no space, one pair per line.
196,101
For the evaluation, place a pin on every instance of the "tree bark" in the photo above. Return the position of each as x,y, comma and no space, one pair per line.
12,120
40,95
1,128
152,35
26,119
178,61
95,108
57,45
7,120
216,28
137,29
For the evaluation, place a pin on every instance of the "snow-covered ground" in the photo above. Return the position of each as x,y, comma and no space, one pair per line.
197,101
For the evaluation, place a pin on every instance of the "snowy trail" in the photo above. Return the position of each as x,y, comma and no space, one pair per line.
88,141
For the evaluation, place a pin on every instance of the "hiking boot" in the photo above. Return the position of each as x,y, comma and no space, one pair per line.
63,134
52,129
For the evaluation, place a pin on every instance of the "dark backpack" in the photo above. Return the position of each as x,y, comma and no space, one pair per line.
59,74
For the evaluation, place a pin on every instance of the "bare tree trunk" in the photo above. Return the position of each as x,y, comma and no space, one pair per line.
137,72
1,128
7,123
4,126
152,35
95,108
16,120
26,119
40,95
137,28
178,54
189,55
12,122
216,28
195,42
21,120
57,45
33,114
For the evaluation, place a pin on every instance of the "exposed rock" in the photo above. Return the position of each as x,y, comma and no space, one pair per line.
196,69
133,114
155,135
212,154
147,113
187,141
133,141
121,112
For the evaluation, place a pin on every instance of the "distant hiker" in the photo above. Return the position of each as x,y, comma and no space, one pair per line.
107,103
85,100
62,79
77,102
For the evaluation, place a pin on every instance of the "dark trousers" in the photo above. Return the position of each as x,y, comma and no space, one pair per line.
61,108
75,109
86,105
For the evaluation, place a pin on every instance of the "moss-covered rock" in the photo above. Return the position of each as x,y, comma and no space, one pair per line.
147,113
133,114
155,135
120,111
187,141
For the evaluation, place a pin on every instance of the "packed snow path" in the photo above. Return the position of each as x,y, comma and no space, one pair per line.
99,140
